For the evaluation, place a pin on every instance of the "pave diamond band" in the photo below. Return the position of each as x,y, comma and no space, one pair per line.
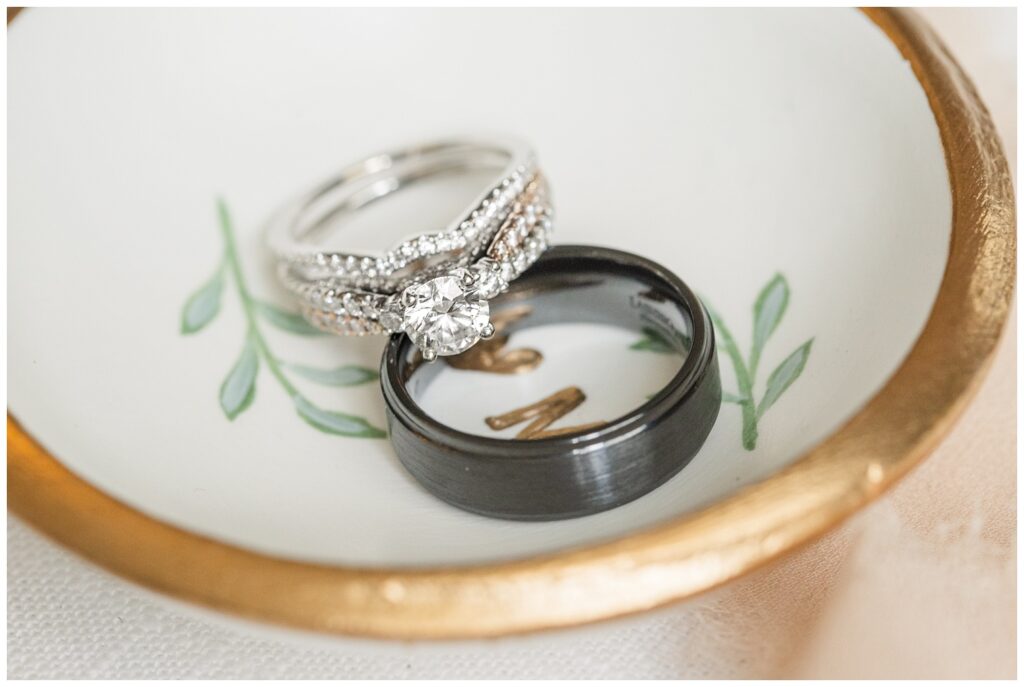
332,306
294,231
530,205
434,287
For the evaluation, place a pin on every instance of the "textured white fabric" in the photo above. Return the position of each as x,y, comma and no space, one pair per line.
69,620
923,584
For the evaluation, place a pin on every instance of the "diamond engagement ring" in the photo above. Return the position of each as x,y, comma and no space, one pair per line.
434,287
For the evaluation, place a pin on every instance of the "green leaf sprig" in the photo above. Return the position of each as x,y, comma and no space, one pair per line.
239,387
769,308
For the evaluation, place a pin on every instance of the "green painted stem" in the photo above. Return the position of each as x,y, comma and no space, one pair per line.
755,360
743,381
248,307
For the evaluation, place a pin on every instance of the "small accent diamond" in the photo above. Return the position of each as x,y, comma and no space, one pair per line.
391,313
488,281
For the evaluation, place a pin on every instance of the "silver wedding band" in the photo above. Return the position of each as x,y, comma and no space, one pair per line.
434,287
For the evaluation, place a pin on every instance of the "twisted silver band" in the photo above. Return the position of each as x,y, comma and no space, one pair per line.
433,287
294,231
332,305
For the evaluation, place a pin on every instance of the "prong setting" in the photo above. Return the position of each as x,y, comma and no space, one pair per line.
409,296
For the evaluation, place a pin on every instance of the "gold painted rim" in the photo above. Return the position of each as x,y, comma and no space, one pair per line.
690,554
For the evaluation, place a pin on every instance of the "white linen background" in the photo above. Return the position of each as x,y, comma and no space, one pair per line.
922,584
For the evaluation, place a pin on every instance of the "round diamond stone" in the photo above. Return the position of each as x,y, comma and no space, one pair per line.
488,278
446,315
391,314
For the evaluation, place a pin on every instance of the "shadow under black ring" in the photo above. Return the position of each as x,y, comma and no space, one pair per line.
578,474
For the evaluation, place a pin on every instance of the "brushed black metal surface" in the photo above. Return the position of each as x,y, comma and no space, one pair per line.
579,474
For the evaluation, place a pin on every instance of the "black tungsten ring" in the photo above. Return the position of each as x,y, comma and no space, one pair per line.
599,468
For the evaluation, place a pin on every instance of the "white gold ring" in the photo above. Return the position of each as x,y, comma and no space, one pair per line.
434,287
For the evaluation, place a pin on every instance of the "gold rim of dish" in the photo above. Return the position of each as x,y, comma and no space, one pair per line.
687,555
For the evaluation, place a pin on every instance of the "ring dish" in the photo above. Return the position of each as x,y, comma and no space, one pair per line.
328,534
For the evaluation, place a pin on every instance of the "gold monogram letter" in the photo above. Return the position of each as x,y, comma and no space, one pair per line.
543,413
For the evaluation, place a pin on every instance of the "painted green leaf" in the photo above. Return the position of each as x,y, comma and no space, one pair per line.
288,321
203,305
769,308
239,387
784,375
724,341
345,375
336,423
730,398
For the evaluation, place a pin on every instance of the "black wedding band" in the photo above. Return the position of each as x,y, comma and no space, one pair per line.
597,469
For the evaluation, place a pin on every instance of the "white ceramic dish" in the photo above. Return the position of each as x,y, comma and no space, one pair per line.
789,159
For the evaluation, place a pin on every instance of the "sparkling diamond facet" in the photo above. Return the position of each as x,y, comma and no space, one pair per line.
488,278
391,314
447,316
